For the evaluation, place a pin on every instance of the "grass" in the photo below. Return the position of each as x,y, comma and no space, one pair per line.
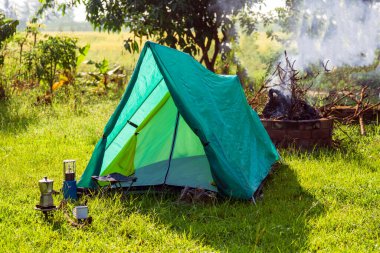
324,201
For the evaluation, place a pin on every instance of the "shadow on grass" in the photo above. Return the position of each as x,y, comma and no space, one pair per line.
279,222
12,120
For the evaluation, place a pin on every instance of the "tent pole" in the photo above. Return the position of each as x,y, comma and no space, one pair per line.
173,144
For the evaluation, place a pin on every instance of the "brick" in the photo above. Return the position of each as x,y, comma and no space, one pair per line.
305,143
326,123
277,134
266,123
321,133
278,125
291,124
306,125
304,134
299,134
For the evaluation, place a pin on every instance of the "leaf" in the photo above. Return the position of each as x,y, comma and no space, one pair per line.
64,78
7,29
102,66
127,45
83,51
135,47
57,85
62,8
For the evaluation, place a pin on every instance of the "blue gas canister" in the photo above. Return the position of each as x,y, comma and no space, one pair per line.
70,190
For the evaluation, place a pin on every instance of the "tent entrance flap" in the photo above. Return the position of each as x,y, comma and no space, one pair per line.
189,165
155,137
183,163
149,89
167,151
125,160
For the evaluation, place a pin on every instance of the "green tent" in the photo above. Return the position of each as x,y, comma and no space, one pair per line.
179,124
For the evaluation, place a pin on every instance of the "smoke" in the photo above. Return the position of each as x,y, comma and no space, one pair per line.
21,10
345,32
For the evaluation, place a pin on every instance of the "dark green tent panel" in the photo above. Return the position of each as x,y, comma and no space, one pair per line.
180,124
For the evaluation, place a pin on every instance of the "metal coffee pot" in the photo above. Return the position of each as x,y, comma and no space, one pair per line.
46,189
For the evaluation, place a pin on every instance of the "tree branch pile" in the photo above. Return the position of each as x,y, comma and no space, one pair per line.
287,97
362,104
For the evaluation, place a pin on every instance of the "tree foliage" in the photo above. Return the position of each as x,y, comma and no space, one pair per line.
7,30
198,27
58,54
194,26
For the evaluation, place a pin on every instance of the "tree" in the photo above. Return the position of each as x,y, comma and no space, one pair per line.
58,54
198,27
7,30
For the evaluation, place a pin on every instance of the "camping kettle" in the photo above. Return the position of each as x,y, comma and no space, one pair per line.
46,185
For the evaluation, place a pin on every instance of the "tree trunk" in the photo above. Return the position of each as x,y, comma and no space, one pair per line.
361,123
209,64
205,46
34,39
2,93
21,49
105,81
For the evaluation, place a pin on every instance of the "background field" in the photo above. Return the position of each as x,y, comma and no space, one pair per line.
255,51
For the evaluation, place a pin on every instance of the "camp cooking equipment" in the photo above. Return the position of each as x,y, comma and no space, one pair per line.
46,198
46,189
69,168
80,212
69,183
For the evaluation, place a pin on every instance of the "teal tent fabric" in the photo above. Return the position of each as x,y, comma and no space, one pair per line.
239,151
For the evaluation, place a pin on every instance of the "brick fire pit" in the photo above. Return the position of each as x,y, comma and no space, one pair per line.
304,134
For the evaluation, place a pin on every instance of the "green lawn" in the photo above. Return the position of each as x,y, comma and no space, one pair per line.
326,201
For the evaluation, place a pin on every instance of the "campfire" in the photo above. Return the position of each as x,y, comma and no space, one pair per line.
286,95
288,118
